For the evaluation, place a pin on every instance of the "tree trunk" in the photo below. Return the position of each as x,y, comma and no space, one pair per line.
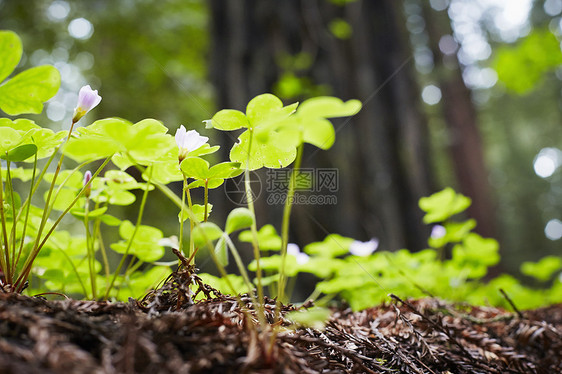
465,144
381,153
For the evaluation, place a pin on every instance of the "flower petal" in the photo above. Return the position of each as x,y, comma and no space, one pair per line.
358,248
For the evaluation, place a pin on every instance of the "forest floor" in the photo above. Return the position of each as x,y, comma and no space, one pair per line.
167,332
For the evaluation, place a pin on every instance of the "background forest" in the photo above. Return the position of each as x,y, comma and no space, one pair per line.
461,93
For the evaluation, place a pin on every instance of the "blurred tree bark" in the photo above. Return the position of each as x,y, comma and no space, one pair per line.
460,117
381,153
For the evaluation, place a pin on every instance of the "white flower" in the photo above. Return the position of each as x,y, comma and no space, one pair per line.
358,248
171,242
438,231
188,141
293,250
87,100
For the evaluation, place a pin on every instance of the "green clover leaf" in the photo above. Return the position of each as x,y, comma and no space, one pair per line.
268,239
198,211
213,177
310,119
278,151
28,90
442,205
45,140
145,141
544,269
333,245
239,218
145,243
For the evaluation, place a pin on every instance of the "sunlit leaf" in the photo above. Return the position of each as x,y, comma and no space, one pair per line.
238,218
279,151
20,153
442,205
328,107
18,173
206,231
145,244
9,139
27,91
211,183
110,220
198,211
544,269
522,67
333,245
121,197
267,108
195,167
225,170
229,119
81,212
268,238
10,53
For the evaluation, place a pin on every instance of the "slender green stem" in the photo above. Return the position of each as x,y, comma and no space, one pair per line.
206,201
75,270
182,219
240,265
132,267
191,223
103,252
130,243
5,259
285,239
36,248
254,226
48,207
46,211
173,198
61,186
90,248
10,187
26,219
242,269
285,226
36,182
314,295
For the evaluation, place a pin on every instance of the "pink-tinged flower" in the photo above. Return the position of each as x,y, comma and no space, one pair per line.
293,250
87,178
188,141
438,231
358,248
87,100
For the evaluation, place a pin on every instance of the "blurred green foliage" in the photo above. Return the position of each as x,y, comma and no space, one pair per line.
522,67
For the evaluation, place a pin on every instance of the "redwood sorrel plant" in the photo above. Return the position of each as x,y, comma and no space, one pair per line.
34,245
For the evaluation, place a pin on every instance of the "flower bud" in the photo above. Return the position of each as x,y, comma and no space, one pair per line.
87,178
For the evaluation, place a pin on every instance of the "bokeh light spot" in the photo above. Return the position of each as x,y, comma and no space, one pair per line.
546,162
58,10
553,229
431,94
80,28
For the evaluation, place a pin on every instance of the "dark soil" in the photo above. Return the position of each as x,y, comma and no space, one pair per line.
169,333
